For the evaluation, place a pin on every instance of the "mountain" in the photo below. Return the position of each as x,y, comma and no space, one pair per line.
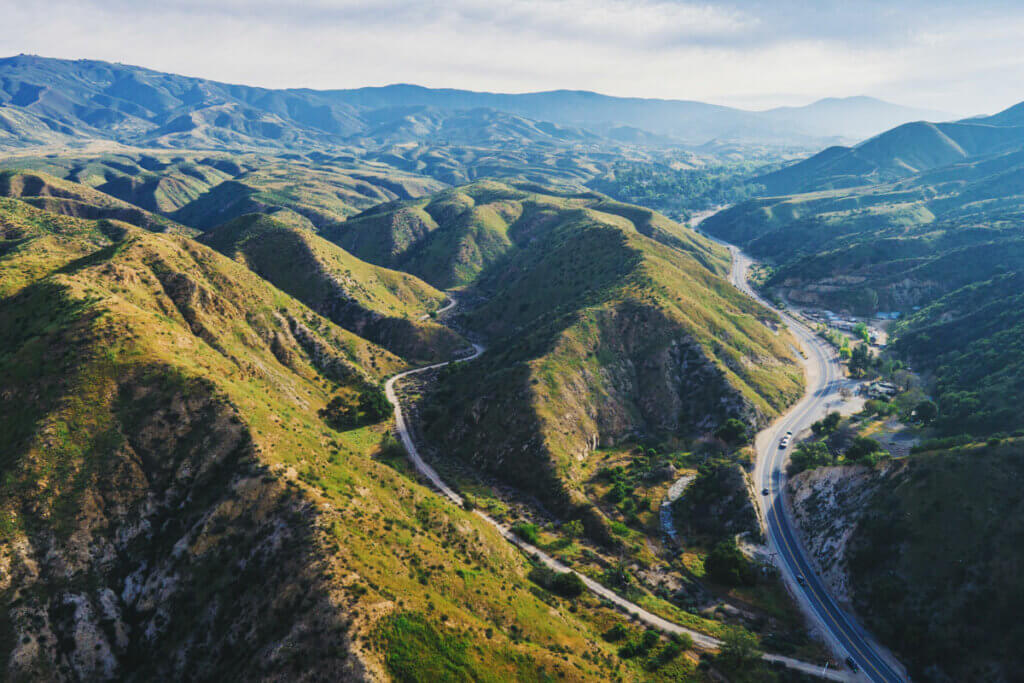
176,504
927,545
901,152
655,121
69,102
383,306
943,247
856,117
605,323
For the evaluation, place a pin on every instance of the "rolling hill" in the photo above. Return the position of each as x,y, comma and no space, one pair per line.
174,505
901,152
383,306
605,322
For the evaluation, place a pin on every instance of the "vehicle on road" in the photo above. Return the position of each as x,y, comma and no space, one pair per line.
801,580
784,442
764,492
852,664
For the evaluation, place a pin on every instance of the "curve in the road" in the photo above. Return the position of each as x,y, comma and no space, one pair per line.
843,629
702,640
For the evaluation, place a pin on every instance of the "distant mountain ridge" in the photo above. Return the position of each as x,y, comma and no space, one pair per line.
52,101
902,152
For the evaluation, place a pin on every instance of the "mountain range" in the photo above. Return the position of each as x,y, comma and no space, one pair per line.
51,101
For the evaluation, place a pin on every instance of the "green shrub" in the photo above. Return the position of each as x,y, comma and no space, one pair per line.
526,531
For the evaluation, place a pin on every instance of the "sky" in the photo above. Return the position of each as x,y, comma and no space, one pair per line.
961,57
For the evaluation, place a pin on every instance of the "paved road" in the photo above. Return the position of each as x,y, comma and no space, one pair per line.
824,379
701,640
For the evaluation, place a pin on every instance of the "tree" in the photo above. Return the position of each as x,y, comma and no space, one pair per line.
725,564
739,649
926,411
732,431
374,404
809,455
573,528
861,360
862,332
827,425
864,450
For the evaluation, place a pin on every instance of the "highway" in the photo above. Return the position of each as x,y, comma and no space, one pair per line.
847,637
652,620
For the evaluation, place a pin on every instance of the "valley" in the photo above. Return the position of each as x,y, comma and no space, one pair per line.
406,383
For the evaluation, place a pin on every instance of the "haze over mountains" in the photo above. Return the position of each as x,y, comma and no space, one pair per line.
52,101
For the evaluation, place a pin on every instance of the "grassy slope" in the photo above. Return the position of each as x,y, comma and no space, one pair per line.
382,305
598,332
204,189
73,199
154,369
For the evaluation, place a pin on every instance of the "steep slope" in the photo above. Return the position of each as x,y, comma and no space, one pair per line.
174,507
928,549
381,305
72,199
605,321
901,152
203,190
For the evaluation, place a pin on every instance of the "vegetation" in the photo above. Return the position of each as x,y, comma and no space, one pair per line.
924,532
725,564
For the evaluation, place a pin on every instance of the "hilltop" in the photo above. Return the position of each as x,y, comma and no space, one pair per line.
605,321
383,306
174,504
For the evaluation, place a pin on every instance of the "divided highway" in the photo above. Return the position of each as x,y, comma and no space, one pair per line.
847,636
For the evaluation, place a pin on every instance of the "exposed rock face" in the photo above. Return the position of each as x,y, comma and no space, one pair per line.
186,559
827,504
625,372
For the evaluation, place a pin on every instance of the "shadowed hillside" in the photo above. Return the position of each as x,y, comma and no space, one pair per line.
380,305
605,322
174,505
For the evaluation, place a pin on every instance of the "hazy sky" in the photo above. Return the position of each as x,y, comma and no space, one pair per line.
961,57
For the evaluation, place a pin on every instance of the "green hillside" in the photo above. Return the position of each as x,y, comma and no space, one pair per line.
203,190
930,548
381,305
173,505
970,344
597,331
72,199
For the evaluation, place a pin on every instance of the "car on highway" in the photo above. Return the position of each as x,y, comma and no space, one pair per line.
801,580
784,442
852,664
764,492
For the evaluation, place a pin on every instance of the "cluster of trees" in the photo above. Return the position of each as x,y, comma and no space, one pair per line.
809,455
725,564
732,432
645,645
678,191
566,584
370,407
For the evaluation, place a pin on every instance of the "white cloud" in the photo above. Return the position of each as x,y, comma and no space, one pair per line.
735,51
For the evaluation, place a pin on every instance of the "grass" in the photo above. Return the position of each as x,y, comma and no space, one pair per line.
116,343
